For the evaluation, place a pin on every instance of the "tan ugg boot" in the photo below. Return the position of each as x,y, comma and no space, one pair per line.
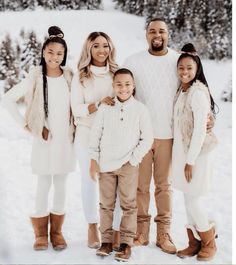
93,236
116,240
56,237
142,234
40,226
194,244
208,245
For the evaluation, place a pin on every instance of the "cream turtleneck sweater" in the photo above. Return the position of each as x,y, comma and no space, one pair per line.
92,90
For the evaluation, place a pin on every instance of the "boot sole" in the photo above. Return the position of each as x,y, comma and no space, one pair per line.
205,259
95,246
166,251
103,254
121,259
40,248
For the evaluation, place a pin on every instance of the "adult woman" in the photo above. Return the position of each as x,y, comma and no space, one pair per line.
91,86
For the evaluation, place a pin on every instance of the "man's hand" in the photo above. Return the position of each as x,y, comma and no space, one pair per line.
188,170
94,169
210,122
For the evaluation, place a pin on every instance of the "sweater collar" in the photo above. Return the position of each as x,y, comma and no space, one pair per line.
99,71
125,103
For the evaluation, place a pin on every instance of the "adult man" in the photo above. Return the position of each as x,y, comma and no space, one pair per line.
156,84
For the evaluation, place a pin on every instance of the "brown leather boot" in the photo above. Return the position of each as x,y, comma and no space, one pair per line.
56,237
208,245
104,250
164,241
116,240
93,236
142,235
124,252
40,226
194,245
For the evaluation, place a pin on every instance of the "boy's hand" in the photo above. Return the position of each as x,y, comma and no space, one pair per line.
188,170
94,169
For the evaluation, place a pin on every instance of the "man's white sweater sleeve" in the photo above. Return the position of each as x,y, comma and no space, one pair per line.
146,139
96,135
200,108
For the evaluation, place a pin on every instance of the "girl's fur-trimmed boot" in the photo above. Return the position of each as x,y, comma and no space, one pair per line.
40,226
56,237
194,244
208,245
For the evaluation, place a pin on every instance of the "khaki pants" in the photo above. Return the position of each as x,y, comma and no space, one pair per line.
156,163
123,181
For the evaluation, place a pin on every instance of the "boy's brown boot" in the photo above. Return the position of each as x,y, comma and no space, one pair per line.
93,236
123,253
40,226
208,245
116,240
56,237
104,250
142,235
194,245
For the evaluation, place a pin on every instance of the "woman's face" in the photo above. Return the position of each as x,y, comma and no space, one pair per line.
187,69
54,55
100,51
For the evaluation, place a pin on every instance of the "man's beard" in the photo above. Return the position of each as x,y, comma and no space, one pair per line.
157,48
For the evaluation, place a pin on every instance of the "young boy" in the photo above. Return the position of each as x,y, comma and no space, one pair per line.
120,137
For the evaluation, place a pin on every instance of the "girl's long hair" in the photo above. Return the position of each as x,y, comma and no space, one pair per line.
189,50
86,58
55,36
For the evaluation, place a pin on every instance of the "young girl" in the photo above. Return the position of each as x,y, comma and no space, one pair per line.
191,163
48,118
120,137
91,86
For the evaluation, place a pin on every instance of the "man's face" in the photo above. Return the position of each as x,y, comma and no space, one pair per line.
157,36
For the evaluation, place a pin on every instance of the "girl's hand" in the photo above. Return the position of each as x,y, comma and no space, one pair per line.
210,123
188,169
108,100
94,169
45,133
92,108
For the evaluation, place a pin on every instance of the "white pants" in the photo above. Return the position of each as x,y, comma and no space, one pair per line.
195,213
89,188
44,184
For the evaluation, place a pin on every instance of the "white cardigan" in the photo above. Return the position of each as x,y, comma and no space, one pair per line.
120,133
54,156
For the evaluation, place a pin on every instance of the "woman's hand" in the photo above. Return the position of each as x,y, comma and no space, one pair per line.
92,108
45,133
94,169
108,100
188,170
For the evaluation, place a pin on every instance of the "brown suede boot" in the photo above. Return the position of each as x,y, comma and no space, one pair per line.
194,245
116,240
142,235
104,250
124,253
208,245
93,236
40,226
56,237
164,241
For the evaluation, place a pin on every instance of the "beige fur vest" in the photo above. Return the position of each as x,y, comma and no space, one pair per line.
34,114
186,121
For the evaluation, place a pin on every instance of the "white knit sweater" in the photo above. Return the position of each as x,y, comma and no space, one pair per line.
120,133
156,85
93,90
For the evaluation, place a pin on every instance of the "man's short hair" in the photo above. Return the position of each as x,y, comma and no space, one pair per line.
149,21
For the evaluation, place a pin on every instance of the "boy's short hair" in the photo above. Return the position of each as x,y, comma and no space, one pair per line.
123,71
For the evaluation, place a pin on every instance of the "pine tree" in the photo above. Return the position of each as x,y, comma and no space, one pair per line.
8,69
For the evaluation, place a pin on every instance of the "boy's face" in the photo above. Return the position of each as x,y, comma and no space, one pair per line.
123,85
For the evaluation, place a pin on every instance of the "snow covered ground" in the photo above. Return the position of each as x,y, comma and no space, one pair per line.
17,184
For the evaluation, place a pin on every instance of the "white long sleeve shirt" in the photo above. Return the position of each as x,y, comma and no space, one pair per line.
93,90
156,85
120,133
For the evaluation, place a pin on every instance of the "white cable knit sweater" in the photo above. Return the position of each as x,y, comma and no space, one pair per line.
120,133
156,85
